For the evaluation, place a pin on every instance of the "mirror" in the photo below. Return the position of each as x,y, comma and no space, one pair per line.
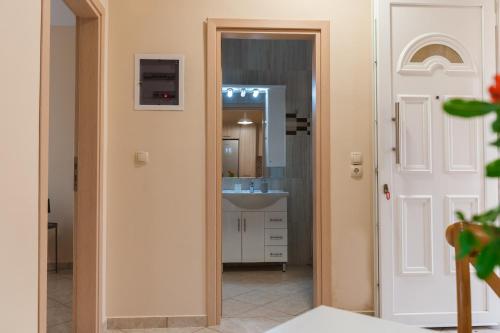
243,142
253,131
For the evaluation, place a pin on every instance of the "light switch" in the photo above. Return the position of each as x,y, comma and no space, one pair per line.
356,171
141,157
356,158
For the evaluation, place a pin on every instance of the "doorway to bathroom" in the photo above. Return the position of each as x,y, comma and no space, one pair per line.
268,169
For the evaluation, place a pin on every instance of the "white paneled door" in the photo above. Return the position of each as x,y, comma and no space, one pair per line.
431,164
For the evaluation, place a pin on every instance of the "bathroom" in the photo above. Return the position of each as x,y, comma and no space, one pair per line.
267,184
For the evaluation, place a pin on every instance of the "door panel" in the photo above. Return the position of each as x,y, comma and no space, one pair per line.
432,163
231,237
253,237
415,125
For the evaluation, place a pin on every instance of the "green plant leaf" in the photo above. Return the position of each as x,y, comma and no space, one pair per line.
488,216
495,126
467,243
496,143
460,216
488,258
493,169
468,109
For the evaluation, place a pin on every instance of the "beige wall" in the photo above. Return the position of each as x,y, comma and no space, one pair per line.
19,93
156,230
61,138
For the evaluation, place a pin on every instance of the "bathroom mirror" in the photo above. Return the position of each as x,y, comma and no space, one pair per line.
253,131
242,142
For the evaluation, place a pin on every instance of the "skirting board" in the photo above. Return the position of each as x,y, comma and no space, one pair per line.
156,322
366,313
51,266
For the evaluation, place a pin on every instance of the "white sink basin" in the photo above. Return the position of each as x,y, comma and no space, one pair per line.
255,200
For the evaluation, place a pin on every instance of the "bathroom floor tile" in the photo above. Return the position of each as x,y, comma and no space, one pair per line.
246,325
253,299
232,308
257,297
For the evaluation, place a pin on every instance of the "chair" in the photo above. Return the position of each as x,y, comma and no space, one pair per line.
54,225
464,308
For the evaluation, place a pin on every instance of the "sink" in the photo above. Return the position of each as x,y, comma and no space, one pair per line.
255,200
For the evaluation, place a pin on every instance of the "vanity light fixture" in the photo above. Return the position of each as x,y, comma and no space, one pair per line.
245,120
255,93
230,92
243,92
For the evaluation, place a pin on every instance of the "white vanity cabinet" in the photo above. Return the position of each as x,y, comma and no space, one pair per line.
231,237
252,237
255,235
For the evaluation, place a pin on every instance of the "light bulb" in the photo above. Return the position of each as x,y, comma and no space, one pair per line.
230,92
243,92
255,93
245,120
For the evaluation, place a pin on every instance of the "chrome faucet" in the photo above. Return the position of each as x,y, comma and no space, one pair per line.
252,187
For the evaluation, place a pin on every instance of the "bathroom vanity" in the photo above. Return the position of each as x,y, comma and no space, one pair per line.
254,227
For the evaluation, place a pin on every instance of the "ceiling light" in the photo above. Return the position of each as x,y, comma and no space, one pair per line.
243,92
245,120
255,93
230,92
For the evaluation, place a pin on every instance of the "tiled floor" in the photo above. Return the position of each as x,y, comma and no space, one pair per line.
59,301
267,294
253,302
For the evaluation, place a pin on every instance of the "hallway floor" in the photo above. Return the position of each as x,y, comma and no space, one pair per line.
253,302
59,301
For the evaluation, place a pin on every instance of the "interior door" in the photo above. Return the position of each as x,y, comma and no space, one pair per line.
231,237
429,51
253,237
230,157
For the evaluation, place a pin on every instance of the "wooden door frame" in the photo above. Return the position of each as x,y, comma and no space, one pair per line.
319,32
87,291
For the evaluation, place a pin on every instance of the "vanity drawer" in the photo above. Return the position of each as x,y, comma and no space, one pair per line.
276,253
276,220
276,236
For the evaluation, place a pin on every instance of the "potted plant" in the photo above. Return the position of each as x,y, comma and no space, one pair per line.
487,253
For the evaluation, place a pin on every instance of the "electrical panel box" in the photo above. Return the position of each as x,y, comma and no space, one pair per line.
159,82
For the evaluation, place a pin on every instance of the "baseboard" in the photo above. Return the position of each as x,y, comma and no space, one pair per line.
51,266
366,312
156,322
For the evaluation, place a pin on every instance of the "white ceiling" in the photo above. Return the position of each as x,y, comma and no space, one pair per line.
61,14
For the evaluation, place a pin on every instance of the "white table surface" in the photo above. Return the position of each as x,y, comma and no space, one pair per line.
324,319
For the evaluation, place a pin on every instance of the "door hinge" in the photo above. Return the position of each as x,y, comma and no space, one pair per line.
75,174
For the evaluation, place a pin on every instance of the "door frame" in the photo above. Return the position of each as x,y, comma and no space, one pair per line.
89,129
384,100
319,32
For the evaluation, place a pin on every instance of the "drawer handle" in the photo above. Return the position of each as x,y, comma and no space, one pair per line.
276,237
276,220
276,254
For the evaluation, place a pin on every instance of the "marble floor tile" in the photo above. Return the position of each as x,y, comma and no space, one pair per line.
256,297
61,328
232,308
271,297
57,315
59,301
246,325
264,312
